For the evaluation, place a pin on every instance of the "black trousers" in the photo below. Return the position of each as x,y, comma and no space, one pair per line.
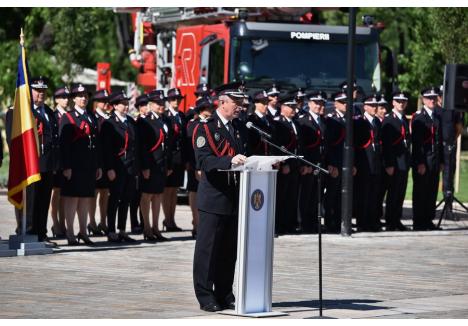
383,189
287,200
215,258
308,203
38,201
333,204
425,189
121,191
367,191
395,196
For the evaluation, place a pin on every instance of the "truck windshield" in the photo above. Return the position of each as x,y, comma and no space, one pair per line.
305,64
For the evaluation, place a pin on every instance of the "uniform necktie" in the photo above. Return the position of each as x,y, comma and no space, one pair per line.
230,129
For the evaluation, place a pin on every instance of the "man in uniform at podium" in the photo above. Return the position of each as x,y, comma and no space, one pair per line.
220,143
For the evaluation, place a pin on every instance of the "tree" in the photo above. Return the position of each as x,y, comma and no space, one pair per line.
56,40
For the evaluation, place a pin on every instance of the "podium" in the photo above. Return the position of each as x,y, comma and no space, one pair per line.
256,227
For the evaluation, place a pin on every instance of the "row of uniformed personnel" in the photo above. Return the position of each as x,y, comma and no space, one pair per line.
84,151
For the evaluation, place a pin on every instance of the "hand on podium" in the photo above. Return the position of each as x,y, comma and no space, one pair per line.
239,159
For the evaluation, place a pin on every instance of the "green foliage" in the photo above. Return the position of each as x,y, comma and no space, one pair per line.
424,39
56,40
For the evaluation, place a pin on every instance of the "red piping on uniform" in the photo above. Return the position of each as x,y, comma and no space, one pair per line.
317,142
340,139
124,149
158,143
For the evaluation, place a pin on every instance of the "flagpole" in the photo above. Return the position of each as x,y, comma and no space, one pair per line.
23,214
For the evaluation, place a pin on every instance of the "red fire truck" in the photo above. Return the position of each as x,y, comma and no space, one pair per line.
181,47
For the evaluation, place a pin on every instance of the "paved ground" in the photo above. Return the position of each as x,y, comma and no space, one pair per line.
369,275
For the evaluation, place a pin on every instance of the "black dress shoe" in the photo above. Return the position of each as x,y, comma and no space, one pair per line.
230,306
401,227
211,307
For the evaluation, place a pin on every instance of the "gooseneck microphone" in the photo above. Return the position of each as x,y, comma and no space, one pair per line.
250,125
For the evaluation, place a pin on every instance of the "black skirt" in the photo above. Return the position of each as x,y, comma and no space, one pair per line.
81,184
192,182
176,178
155,183
102,183
58,179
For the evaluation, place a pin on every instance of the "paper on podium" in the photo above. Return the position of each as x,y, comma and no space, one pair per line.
259,163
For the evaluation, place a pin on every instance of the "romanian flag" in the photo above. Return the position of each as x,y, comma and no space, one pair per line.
24,163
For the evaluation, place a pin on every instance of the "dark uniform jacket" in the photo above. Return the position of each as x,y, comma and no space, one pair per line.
285,136
368,153
191,134
79,143
313,138
335,133
153,140
48,137
119,141
177,138
218,191
426,138
255,145
396,142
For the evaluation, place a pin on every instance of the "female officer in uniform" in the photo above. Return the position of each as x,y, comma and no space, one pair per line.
153,132
78,154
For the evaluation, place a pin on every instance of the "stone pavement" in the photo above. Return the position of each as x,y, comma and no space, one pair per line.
368,275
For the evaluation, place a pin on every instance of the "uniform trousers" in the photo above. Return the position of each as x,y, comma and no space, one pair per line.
38,198
287,193
333,204
367,186
215,258
308,203
424,197
395,196
121,190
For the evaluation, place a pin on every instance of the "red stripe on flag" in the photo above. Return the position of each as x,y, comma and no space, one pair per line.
24,165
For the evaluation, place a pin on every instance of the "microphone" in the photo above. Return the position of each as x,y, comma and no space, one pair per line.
250,125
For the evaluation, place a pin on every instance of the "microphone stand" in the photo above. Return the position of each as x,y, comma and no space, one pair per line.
318,173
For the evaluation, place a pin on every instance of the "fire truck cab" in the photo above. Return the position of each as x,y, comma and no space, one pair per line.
222,46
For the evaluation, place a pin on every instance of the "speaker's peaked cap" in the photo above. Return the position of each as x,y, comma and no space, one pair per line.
39,82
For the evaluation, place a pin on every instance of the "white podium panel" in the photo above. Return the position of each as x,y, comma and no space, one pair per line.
255,236
255,242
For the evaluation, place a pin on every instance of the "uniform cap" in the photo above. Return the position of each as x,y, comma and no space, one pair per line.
156,96
118,97
232,93
318,96
260,96
78,89
399,95
344,85
101,96
141,100
174,93
372,99
288,101
382,101
431,91
203,103
39,82
202,89
340,96
300,95
62,92
273,91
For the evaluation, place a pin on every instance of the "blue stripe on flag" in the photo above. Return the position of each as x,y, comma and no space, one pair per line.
20,80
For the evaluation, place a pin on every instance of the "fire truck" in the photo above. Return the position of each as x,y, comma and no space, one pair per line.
182,47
